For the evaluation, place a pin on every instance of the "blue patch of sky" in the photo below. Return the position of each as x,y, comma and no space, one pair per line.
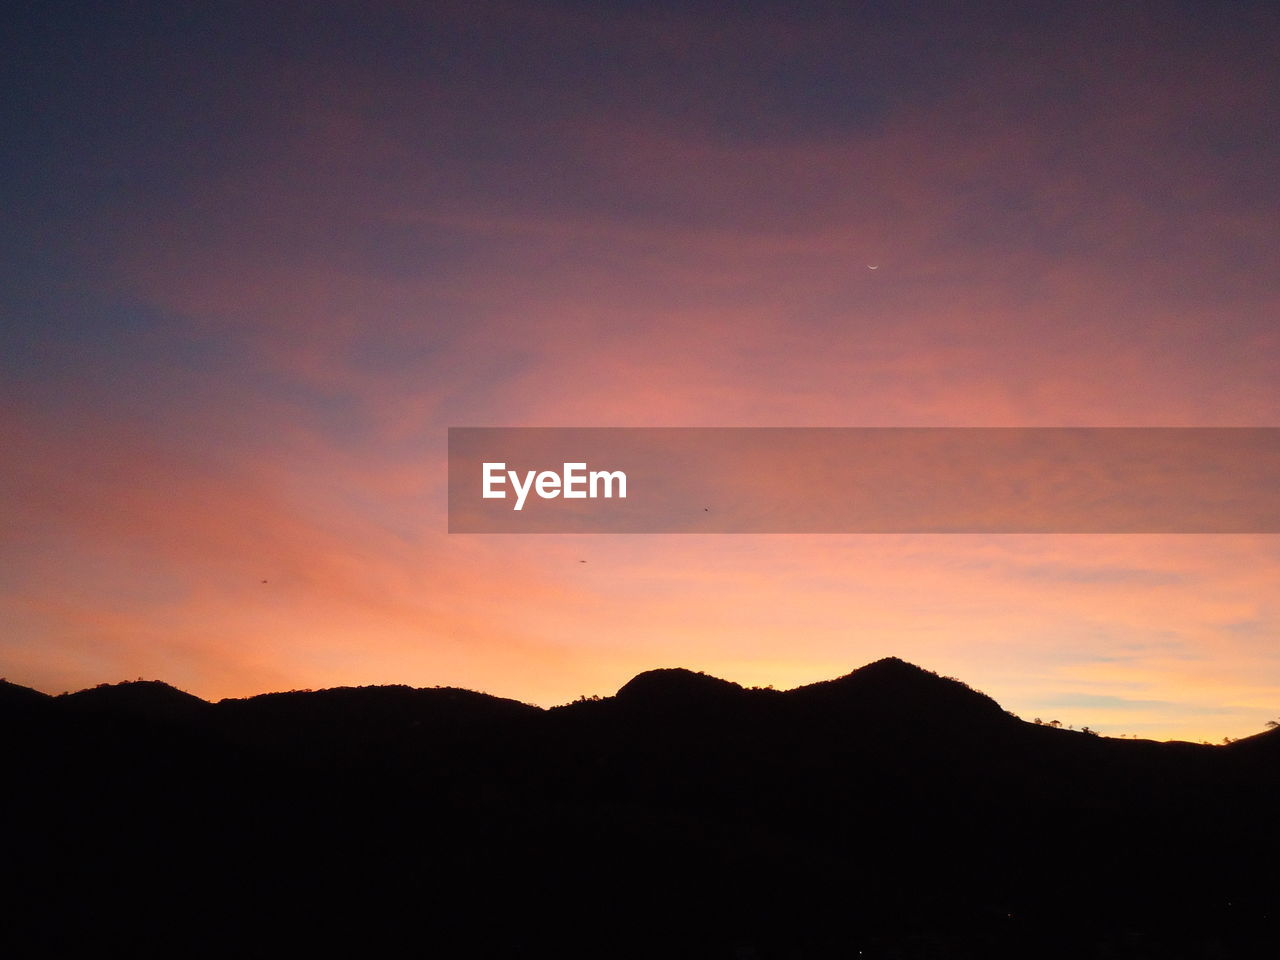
1105,701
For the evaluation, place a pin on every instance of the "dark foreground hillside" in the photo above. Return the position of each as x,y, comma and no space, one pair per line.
888,813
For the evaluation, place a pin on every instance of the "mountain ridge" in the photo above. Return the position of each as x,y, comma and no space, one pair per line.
685,816
889,686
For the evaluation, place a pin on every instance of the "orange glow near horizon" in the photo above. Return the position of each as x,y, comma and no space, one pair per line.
1162,636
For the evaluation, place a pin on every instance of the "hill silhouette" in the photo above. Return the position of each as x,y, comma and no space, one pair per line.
1265,744
674,686
150,699
13,696
890,811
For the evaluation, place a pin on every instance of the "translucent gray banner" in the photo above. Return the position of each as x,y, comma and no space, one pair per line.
864,480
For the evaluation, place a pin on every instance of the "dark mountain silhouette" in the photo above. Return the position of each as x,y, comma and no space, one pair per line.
674,688
363,718
897,686
1262,744
901,698
675,683
340,709
148,699
13,696
887,813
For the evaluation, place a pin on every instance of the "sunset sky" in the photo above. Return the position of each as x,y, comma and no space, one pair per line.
258,257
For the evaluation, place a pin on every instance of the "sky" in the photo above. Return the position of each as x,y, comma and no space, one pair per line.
257,258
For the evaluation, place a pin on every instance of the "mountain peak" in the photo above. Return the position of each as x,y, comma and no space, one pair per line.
152,698
15,695
897,670
892,686
894,666
675,686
